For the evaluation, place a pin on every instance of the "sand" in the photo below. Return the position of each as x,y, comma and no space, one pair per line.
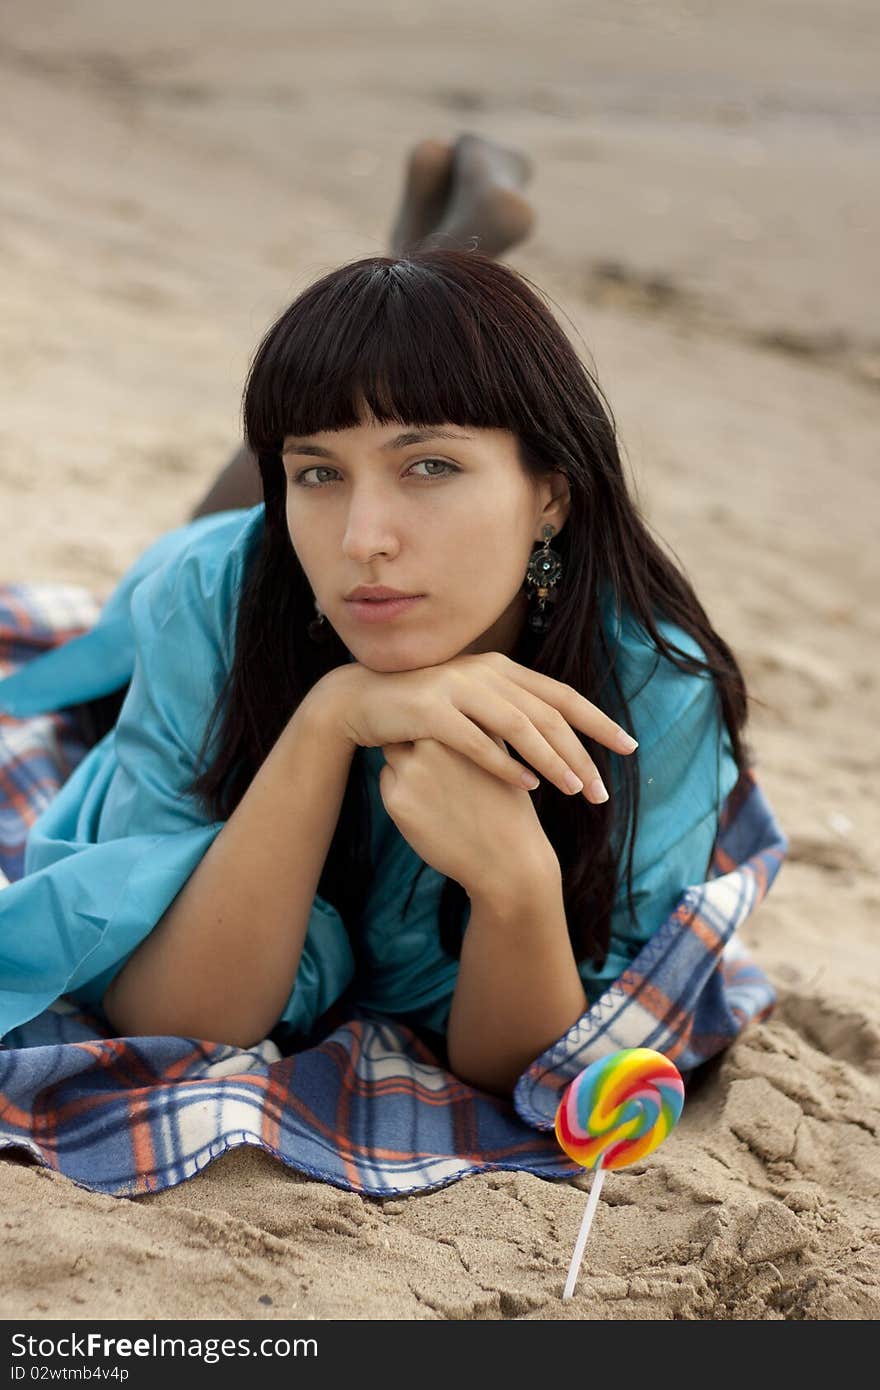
708,219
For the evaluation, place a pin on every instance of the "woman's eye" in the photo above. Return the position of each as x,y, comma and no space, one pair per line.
323,468
316,468
443,464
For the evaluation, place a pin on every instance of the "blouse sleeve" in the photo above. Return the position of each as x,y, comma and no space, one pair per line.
116,845
686,769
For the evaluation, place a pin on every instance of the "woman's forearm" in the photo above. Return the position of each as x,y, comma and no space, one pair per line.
221,962
518,987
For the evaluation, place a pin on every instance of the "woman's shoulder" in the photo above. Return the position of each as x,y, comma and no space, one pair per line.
206,558
175,609
188,580
685,761
657,690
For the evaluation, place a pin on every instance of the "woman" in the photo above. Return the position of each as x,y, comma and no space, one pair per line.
305,799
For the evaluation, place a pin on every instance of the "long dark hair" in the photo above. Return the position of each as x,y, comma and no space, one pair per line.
454,337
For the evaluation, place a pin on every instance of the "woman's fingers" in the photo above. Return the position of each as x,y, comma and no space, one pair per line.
578,711
465,736
572,758
542,736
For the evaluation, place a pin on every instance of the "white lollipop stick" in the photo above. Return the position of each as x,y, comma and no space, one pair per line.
586,1223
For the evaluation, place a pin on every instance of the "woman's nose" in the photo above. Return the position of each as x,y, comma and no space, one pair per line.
368,532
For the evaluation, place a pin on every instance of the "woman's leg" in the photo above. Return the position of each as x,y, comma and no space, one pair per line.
464,195
237,485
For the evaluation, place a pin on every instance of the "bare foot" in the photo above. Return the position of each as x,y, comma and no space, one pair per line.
486,205
425,192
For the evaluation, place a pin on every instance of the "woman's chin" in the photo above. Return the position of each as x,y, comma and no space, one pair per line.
387,664
405,655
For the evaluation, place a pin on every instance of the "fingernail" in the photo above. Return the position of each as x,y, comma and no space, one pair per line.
529,781
625,742
573,782
597,791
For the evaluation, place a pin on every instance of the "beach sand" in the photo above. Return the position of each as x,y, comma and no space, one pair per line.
708,220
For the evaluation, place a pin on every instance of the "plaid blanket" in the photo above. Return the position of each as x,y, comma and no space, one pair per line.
369,1108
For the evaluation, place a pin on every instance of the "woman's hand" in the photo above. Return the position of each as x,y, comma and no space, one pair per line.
470,704
463,821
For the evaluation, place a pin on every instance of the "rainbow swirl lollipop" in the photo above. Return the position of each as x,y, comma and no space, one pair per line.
619,1109
613,1113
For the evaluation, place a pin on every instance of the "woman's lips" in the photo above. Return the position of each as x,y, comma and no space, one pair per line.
382,610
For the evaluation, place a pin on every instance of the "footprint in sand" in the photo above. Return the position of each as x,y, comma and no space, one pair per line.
834,1026
837,856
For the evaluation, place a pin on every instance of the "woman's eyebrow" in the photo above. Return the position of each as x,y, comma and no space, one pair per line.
400,441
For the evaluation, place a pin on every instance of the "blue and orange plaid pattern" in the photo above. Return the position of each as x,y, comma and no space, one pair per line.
370,1108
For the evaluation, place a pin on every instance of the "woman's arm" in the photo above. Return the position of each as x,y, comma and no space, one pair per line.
518,988
222,960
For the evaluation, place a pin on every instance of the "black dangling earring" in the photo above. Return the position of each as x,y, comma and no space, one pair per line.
542,576
319,628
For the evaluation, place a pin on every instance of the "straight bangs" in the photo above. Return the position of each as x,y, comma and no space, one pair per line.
408,341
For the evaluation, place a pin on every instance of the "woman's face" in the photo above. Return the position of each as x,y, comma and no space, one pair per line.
450,514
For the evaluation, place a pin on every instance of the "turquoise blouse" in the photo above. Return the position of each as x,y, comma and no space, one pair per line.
116,844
